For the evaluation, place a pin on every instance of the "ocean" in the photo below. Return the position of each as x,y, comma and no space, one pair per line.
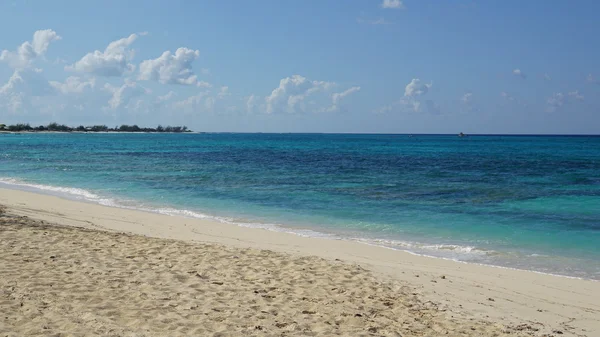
526,202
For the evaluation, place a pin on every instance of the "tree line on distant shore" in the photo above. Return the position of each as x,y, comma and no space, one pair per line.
94,128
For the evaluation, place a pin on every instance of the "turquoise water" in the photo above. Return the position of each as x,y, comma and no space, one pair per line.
529,202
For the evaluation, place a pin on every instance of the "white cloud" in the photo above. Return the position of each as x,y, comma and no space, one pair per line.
395,4
114,61
204,102
468,103
172,68
11,99
576,95
201,102
224,92
290,94
251,103
26,82
22,88
166,97
467,98
73,84
558,100
415,88
29,51
13,102
592,80
519,73
209,103
410,102
338,96
42,39
547,77
122,95
416,105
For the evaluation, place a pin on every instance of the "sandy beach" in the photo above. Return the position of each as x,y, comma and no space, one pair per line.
72,269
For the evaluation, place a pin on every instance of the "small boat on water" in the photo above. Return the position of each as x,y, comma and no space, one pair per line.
462,135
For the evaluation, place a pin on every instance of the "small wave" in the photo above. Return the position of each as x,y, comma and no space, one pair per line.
84,195
73,192
423,248
458,253
81,194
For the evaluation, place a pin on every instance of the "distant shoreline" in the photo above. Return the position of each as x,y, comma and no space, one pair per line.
55,127
95,132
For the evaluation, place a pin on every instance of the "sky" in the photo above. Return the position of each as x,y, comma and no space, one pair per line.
363,66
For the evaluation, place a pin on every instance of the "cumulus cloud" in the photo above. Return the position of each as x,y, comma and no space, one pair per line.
416,88
196,103
556,101
11,99
202,102
23,87
251,103
559,99
394,4
166,97
467,98
411,102
73,84
122,95
26,82
338,96
289,96
29,51
202,84
468,103
223,92
114,61
519,73
576,95
172,68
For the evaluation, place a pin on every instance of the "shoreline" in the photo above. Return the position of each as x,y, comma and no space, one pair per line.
85,196
517,295
94,132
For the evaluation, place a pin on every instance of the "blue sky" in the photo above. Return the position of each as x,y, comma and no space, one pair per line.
389,66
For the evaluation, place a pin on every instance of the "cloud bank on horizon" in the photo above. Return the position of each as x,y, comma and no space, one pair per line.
132,78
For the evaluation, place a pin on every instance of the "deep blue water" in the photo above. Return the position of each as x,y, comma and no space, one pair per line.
530,202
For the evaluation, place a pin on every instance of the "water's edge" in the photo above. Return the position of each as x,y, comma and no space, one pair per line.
82,195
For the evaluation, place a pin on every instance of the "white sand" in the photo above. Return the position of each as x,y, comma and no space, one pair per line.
446,296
